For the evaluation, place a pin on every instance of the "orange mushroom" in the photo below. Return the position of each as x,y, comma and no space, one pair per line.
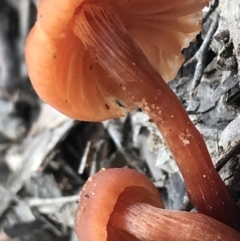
106,187
67,76
122,204
86,56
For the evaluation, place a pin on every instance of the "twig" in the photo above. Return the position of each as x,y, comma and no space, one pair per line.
201,55
211,10
221,162
84,157
36,202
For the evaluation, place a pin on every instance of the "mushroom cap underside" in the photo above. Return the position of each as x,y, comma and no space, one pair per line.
66,75
101,193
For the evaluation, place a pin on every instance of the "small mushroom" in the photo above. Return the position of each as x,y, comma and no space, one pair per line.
122,204
97,59
105,188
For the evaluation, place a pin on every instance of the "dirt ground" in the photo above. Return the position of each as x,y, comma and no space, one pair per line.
45,157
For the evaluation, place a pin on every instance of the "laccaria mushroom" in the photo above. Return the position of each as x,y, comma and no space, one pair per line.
65,72
97,59
122,204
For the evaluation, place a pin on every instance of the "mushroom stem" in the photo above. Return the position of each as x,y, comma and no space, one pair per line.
148,223
102,32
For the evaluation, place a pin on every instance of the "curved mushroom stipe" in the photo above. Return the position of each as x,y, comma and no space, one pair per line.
149,223
99,196
102,32
123,205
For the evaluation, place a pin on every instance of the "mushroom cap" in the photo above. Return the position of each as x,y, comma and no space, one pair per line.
101,193
66,75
